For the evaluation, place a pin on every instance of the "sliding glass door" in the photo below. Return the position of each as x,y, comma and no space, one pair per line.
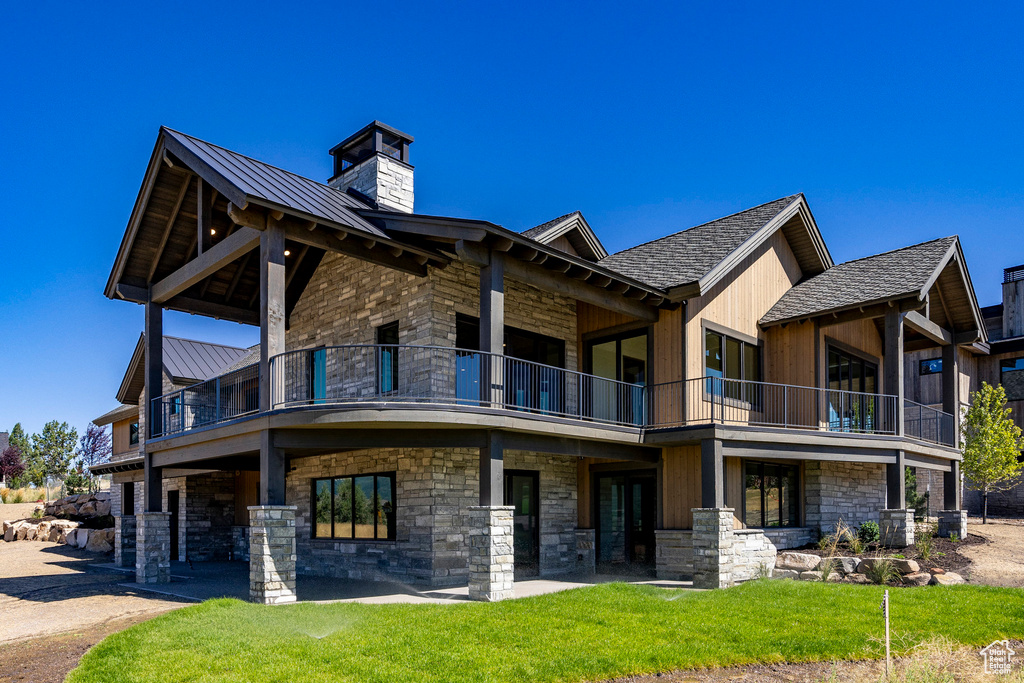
623,359
857,411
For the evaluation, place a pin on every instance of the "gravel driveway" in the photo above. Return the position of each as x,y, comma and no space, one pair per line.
46,588
1000,562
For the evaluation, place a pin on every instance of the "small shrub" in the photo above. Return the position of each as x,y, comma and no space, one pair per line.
18,497
883,571
763,572
856,545
954,538
37,514
925,542
3,496
868,533
824,542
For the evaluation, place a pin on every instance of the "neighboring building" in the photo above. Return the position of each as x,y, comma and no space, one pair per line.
439,400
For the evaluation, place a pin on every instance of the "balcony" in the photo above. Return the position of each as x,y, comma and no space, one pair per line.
426,376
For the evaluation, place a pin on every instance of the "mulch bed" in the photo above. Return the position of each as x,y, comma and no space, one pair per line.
945,554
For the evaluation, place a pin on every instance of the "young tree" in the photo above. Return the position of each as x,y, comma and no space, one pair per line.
93,449
33,470
991,444
55,447
11,466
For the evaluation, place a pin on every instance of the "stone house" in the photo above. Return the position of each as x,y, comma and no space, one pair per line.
445,401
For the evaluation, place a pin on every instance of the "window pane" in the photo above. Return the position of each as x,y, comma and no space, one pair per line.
634,359
771,495
752,493
133,433
733,364
713,354
322,524
751,363
1012,378
343,507
363,507
385,508
790,498
932,366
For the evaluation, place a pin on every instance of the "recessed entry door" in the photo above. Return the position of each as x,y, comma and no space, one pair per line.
522,491
626,518
173,505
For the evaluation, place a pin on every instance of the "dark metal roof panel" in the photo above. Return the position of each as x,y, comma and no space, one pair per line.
262,181
893,274
186,358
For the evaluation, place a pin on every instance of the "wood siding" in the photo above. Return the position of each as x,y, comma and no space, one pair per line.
120,433
680,486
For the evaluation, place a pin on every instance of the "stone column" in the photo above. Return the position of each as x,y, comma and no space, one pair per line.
272,554
714,551
153,547
896,528
491,559
125,530
586,551
953,522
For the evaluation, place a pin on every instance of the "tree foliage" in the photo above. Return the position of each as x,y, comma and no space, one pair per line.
11,466
991,444
93,449
54,448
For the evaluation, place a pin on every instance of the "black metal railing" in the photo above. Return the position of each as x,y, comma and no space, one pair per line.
928,424
229,396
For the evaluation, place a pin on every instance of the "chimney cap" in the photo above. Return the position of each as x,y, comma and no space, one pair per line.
366,130
1013,274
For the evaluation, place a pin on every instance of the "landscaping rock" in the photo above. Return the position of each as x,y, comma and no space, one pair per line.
810,575
947,579
102,508
82,538
87,510
785,574
907,566
801,562
918,579
857,578
868,563
847,565
937,570
9,533
99,542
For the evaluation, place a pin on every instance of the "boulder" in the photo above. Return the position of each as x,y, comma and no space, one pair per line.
71,537
937,570
99,542
868,563
102,508
847,565
67,510
30,532
906,566
917,579
82,538
785,574
9,533
20,531
947,579
816,576
801,562
857,578
87,510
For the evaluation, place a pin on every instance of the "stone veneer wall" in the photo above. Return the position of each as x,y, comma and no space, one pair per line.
434,490
755,555
674,554
785,538
931,482
851,492
387,181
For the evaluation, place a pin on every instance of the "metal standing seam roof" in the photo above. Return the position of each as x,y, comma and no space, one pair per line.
251,356
687,256
191,359
890,275
277,186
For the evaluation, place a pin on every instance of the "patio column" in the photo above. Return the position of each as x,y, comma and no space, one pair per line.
894,363
895,479
712,474
491,558
951,487
153,547
272,291
272,555
154,367
714,548
272,470
492,327
951,389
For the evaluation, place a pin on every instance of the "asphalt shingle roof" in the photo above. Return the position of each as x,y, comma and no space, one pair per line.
251,356
535,231
873,278
687,256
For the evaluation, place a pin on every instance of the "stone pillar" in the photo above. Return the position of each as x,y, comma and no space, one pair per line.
674,554
896,528
953,522
125,529
491,558
272,554
153,547
586,551
714,551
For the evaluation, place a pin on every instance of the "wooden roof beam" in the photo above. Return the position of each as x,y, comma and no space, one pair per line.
218,256
169,226
926,327
543,279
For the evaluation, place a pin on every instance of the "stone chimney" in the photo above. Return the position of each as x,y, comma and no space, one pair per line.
1013,302
375,162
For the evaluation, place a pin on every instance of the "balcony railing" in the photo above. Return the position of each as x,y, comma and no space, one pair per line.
229,396
446,376
928,424
727,401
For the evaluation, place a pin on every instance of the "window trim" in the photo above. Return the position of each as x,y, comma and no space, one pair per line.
138,433
379,346
392,521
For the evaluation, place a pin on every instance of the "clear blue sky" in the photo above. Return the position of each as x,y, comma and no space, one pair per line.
900,123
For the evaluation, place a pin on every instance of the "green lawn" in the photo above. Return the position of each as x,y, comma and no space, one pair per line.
584,634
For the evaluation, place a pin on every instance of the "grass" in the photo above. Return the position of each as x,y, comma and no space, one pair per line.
584,634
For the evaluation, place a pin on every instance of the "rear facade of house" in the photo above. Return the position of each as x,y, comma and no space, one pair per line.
443,401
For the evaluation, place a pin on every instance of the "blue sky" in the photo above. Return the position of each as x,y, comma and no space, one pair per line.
900,123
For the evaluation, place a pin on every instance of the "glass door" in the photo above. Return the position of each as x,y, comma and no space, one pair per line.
852,383
622,359
522,491
627,515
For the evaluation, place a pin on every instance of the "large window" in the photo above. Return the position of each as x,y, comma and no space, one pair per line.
853,388
1011,376
771,494
931,366
355,507
387,358
622,358
726,359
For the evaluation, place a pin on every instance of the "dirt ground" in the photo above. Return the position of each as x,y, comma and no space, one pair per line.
17,510
1001,561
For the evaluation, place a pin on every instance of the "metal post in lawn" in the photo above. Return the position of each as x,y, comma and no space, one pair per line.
885,610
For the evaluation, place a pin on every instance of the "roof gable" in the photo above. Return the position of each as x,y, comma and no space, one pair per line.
574,227
186,361
690,262
933,270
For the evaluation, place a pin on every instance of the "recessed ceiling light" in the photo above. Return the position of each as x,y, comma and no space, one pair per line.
212,231
287,252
